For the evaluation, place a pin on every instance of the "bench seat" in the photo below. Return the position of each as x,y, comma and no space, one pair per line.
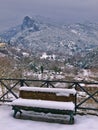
44,104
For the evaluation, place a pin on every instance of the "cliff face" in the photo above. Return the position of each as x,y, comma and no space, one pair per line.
29,23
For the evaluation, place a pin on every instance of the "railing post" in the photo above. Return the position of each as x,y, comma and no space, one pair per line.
75,99
21,82
47,84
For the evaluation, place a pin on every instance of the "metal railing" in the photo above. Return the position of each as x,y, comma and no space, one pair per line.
86,97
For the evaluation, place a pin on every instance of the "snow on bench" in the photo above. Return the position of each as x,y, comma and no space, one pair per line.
44,104
58,91
48,100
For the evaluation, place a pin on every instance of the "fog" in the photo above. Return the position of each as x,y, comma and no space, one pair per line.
61,11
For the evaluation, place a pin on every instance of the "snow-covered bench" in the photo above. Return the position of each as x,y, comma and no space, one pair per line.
47,100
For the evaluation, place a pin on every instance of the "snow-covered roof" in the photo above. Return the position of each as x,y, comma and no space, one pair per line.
44,104
51,90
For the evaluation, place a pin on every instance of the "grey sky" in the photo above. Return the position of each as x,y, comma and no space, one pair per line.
66,11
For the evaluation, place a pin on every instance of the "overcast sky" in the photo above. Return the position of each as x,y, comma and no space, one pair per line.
67,11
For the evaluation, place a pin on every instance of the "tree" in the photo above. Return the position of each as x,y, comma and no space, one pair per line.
33,67
5,71
42,69
56,69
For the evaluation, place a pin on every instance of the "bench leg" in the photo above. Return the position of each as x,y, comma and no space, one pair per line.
71,121
16,110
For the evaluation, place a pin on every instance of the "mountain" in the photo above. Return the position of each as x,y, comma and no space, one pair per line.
70,43
91,59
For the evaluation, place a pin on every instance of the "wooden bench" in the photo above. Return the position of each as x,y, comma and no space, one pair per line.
47,100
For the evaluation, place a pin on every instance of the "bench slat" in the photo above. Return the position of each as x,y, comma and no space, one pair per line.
50,90
52,94
44,104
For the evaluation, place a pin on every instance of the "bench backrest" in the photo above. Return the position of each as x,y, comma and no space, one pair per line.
52,94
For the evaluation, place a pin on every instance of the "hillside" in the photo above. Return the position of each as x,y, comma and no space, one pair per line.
62,40
67,48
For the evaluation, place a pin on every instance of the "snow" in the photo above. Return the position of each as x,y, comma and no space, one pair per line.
25,54
74,31
44,104
58,91
7,122
44,56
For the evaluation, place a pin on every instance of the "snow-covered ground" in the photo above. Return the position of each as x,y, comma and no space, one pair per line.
7,122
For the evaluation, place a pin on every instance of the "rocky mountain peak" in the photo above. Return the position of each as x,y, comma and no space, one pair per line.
29,22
